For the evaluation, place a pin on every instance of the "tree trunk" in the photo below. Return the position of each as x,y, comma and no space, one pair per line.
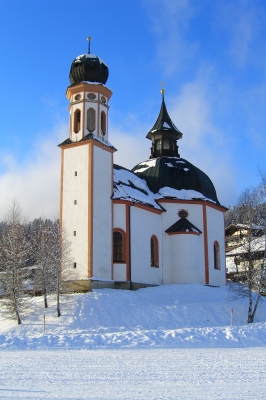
18,318
250,314
58,299
45,300
256,305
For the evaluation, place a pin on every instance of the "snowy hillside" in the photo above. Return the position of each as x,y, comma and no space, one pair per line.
165,316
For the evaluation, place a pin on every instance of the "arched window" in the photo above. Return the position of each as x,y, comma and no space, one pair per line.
77,121
216,253
166,144
118,246
90,119
103,122
158,144
154,252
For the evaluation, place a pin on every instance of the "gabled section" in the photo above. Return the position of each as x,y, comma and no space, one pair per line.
183,226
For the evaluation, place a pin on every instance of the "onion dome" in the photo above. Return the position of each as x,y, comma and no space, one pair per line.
164,134
88,67
163,174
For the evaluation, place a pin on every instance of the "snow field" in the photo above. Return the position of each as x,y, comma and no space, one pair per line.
166,342
163,316
134,374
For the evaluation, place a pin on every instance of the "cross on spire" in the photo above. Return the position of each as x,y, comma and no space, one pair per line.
162,90
89,44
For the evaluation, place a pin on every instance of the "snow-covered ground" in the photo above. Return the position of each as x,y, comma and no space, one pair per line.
168,342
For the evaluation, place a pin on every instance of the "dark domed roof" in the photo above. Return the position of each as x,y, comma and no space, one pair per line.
175,173
88,67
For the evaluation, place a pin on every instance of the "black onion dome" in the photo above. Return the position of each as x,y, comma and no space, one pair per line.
175,173
88,67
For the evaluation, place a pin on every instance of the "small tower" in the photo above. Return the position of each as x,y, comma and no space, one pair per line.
88,97
164,135
87,169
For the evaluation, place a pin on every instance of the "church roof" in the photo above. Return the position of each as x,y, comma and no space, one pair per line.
175,177
183,225
128,186
89,136
90,68
164,124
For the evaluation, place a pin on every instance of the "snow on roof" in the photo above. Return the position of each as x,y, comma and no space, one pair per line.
105,142
248,226
169,165
182,194
128,186
147,164
256,245
90,56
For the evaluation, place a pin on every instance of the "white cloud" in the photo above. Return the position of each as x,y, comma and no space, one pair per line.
170,22
203,143
35,182
244,21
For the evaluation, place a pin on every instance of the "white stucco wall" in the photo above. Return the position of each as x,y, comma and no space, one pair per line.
186,257
143,225
102,213
75,217
215,223
183,255
119,220
119,272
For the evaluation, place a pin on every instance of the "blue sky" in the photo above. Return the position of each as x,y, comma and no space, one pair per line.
211,55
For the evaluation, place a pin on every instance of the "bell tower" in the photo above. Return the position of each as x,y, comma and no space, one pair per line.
87,170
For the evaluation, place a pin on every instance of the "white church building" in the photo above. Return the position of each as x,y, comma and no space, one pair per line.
160,223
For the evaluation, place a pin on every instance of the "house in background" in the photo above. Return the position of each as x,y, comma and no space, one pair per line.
159,223
244,242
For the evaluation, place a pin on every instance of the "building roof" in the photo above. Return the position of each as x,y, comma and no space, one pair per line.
90,68
183,225
165,173
128,186
256,245
89,136
231,229
164,124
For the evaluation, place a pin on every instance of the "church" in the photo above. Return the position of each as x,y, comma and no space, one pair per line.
159,223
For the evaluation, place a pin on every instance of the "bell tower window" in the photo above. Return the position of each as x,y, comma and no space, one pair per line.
77,121
166,144
103,122
91,119
158,144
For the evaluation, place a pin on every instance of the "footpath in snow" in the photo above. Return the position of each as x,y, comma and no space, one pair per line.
181,316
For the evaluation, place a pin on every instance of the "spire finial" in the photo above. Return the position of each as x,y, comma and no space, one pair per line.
89,46
162,90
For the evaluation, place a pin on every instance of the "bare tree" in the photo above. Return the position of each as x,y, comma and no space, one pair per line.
61,262
14,256
42,246
251,251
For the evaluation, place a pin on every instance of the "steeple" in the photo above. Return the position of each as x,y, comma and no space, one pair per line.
164,134
89,98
